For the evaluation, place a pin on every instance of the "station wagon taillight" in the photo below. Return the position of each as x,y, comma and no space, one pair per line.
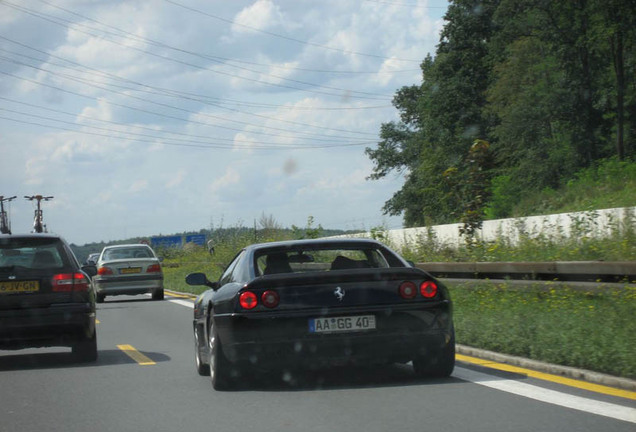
248,300
154,268
428,289
270,299
69,282
104,271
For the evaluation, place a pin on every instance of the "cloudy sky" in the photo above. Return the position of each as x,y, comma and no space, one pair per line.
147,117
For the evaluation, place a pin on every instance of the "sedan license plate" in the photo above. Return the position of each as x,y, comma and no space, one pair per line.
11,287
130,270
342,324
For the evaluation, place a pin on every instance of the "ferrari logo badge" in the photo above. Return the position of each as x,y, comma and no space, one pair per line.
340,293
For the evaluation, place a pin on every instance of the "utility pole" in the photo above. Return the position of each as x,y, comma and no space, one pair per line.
5,225
38,223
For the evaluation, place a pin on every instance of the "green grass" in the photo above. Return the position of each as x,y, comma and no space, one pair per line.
595,331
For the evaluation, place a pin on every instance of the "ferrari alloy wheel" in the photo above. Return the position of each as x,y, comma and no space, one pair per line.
218,364
202,367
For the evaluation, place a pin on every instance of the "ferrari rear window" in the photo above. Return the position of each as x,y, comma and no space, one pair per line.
307,260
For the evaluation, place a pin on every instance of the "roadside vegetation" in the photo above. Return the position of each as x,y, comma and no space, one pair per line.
581,245
559,325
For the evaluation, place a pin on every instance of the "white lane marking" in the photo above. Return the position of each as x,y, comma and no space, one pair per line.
182,303
553,397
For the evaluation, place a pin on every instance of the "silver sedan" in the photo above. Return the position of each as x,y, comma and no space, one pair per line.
128,269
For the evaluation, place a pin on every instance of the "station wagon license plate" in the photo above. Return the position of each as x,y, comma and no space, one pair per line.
342,324
130,270
19,287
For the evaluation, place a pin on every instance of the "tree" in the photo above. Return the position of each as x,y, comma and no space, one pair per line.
440,118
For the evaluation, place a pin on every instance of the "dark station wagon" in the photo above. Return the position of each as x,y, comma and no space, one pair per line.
46,299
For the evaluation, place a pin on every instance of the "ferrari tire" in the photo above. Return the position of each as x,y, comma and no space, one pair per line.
220,367
440,365
157,294
203,368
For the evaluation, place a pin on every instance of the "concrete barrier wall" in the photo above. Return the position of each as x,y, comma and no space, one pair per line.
596,223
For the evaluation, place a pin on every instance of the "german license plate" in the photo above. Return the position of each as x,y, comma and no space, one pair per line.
342,324
130,270
19,287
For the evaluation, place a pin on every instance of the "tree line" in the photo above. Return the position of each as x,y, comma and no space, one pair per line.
519,96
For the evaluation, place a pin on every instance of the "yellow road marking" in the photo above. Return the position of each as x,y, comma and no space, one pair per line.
131,352
549,377
179,295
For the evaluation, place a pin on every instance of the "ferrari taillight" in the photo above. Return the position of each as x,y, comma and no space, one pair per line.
248,300
408,290
69,282
270,299
428,289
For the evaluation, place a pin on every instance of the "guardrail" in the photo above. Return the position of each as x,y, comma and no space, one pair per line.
583,271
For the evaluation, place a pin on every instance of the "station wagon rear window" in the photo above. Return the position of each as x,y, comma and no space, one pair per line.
34,253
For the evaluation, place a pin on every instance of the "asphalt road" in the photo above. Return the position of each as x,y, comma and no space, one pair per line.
145,380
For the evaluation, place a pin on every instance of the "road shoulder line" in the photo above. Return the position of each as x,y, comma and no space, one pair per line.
580,378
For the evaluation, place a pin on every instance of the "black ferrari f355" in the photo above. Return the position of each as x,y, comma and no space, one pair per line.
317,303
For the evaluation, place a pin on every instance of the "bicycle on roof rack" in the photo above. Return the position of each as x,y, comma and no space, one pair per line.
5,225
38,219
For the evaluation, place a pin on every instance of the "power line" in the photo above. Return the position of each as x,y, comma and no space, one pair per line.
219,100
228,21
171,107
172,142
165,115
405,4
173,94
358,94
233,140
225,58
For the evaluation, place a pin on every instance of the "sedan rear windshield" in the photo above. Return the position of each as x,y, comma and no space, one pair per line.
34,253
126,253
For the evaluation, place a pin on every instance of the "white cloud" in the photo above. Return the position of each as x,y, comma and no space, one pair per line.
229,179
176,179
261,15
138,186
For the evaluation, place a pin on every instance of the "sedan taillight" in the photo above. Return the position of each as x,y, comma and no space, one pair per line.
104,271
69,282
154,268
